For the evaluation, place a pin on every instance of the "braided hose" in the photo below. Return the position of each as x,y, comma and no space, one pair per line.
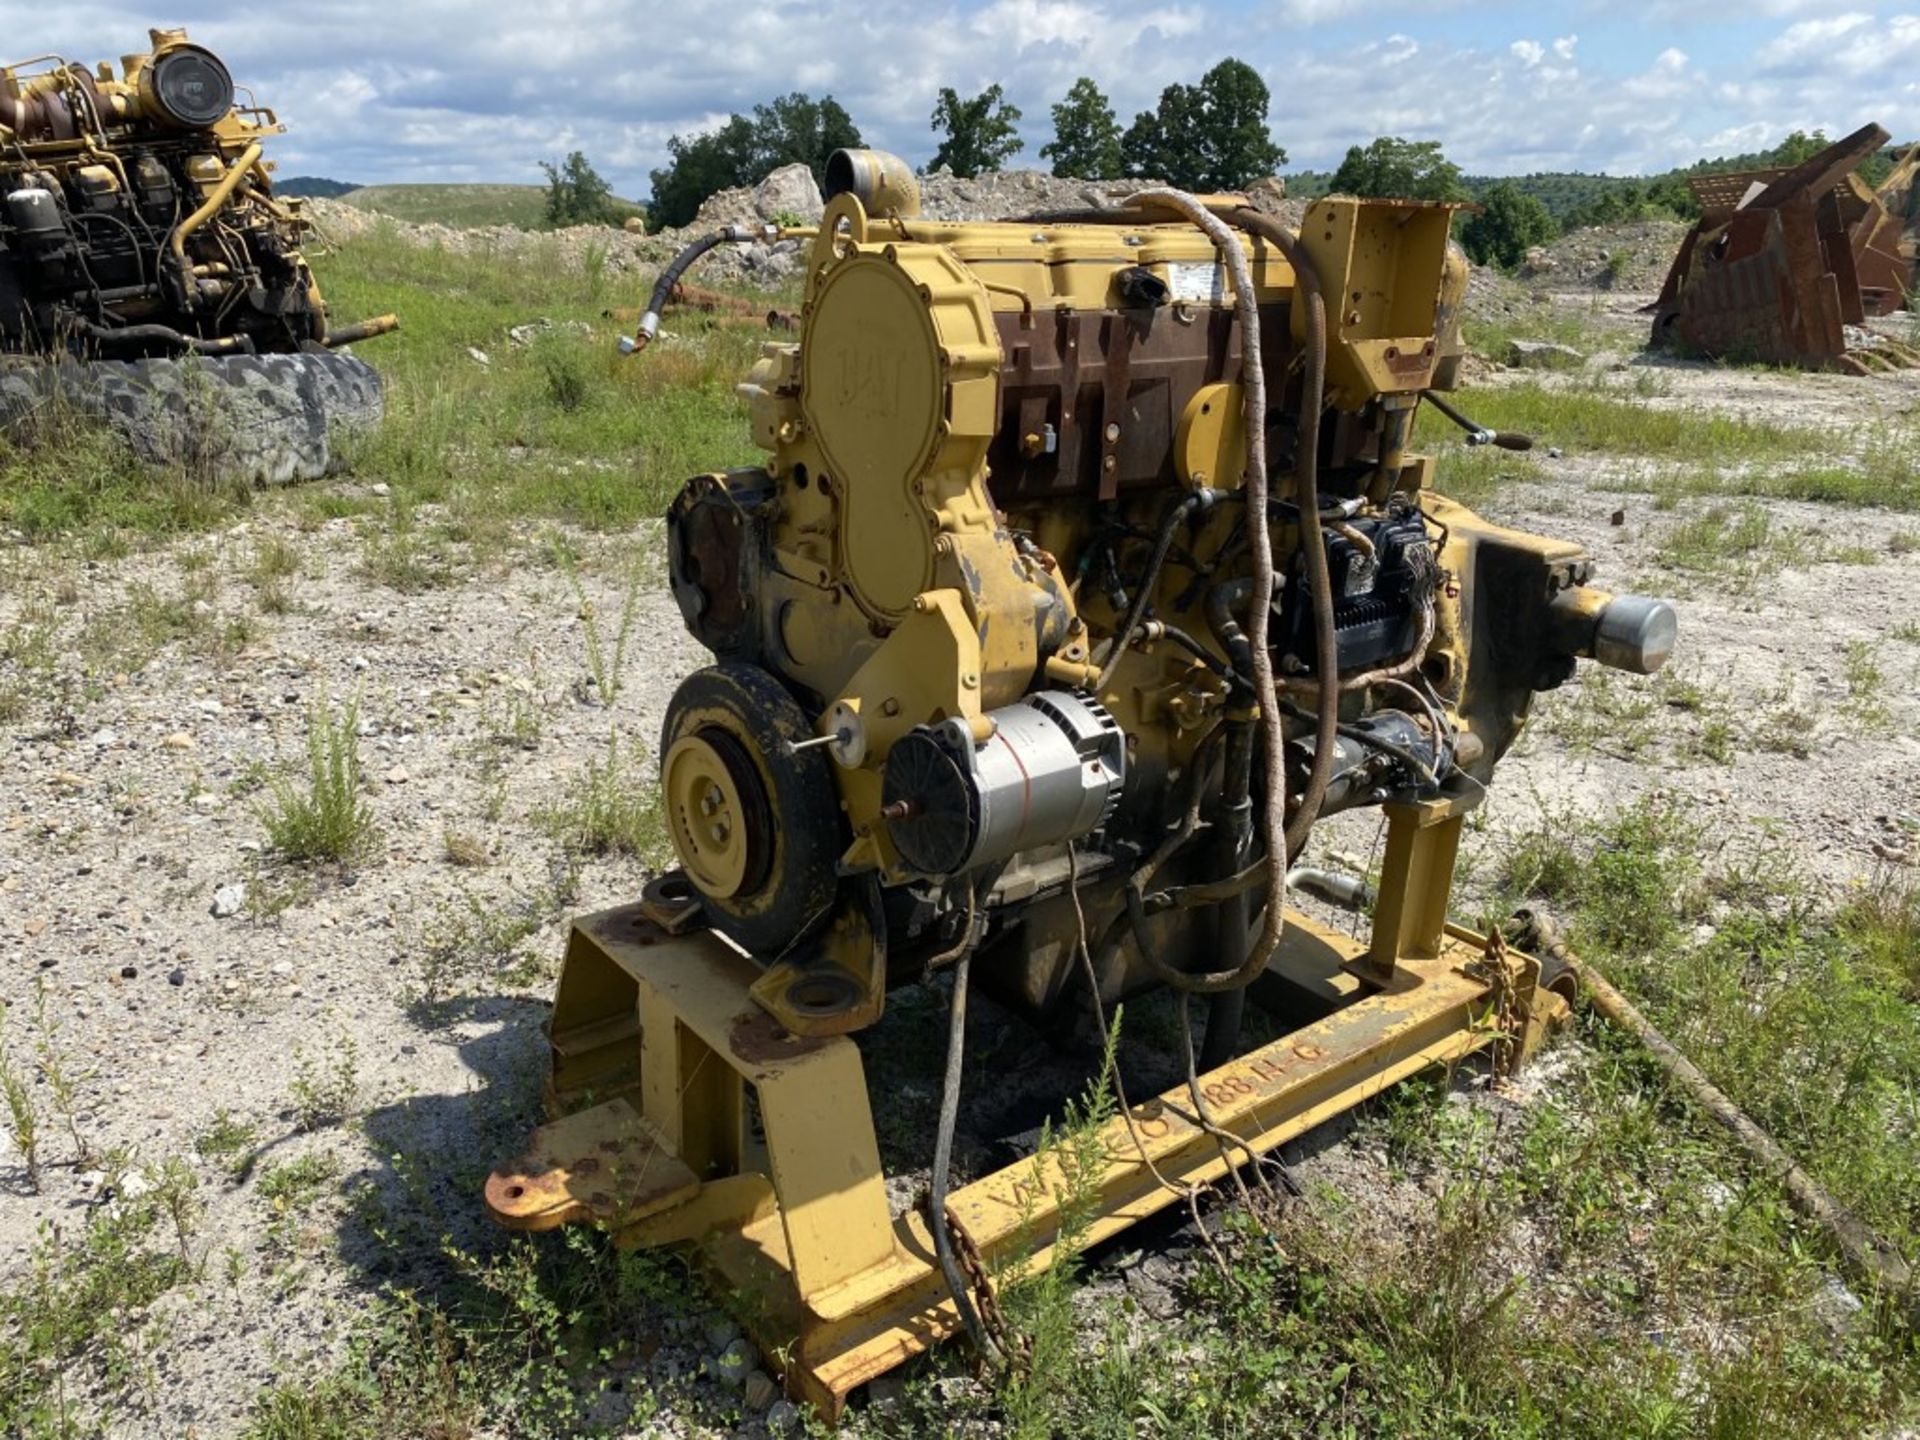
1273,737
1307,498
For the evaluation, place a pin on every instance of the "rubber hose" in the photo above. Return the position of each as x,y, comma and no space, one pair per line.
166,335
663,287
1174,634
1221,600
1307,482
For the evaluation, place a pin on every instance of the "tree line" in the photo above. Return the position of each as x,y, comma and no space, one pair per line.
1207,136
1212,135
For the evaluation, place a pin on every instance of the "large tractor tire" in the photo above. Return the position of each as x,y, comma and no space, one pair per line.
249,419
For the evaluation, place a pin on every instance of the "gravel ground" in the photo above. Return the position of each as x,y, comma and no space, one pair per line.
125,814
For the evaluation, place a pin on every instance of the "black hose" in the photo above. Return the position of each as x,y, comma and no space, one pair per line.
1191,504
1222,600
663,287
1200,652
164,335
1478,434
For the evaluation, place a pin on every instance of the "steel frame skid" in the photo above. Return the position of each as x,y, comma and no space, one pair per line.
657,1038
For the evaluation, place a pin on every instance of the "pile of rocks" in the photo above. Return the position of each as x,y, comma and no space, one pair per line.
1631,258
618,250
787,196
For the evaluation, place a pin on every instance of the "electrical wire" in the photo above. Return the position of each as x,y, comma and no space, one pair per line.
1189,1193
1192,504
943,1158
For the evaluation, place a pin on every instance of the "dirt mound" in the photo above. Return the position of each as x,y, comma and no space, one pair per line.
618,249
1633,257
785,196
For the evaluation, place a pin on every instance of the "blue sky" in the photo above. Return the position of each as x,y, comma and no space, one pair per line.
461,90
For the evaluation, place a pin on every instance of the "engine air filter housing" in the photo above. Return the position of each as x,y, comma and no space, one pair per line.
187,85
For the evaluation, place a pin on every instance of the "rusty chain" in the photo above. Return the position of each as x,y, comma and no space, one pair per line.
1018,1348
1493,967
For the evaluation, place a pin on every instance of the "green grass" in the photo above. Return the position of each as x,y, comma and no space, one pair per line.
72,1325
1476,475
1595,418
70,474
322,816
462,206
611,807
1801,1010
564,428
1884,474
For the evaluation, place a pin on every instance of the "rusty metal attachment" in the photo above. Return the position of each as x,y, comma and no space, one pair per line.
1787,266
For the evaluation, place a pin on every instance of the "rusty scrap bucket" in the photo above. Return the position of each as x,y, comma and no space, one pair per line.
1785,266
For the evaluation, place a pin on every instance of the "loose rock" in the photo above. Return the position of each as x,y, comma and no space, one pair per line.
1542,355
760,1390
733,1364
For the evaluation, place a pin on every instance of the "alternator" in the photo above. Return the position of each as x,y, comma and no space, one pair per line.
1050,771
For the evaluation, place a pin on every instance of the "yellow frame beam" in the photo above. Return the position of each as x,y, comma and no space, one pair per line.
795,1214
658,1038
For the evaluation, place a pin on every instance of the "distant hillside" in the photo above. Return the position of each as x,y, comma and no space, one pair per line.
305,186
1575,198
458,205
462,206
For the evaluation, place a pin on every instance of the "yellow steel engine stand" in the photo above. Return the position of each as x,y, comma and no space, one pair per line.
657,1037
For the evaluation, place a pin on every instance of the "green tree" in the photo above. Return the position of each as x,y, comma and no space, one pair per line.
1086,137
1210,136
981,132
1510,223
796,129
1396,169
699,166
1797,147
577,195
1164,143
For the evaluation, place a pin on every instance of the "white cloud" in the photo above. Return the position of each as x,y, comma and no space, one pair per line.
1806,40
461,89
1317,12
1036,22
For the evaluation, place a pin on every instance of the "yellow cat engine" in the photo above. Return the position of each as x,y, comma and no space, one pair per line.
1089,569
152,278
